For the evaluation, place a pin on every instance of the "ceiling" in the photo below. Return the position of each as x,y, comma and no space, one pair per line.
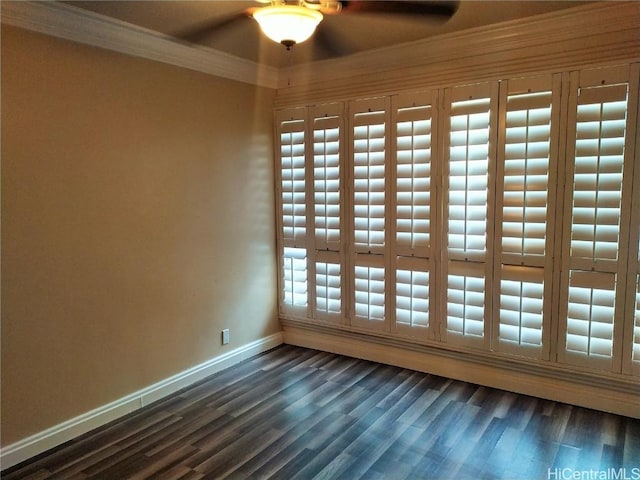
349,33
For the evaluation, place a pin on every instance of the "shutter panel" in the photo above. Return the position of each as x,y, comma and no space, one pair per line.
292,183
414,131
412,295
369,124
294,268
413,180
632,364
292,168
599,178
595,217
465,300
526,169
326,175
521,309
369,276
590,314
468,179
470,158
369,148
526,173
631,336
328,286
635,342
327,134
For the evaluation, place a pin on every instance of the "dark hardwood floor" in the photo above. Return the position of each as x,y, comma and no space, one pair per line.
295,413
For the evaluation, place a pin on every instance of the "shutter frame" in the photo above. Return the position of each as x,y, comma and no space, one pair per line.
476,106
596,87
530,106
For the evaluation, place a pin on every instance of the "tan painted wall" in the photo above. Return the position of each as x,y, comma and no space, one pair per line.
137,222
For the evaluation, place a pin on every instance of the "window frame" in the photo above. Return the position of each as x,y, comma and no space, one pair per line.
435,259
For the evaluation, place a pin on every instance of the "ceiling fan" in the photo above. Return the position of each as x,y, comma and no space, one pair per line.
290,22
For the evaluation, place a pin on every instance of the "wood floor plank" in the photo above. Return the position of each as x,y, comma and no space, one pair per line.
76,467
335,468
296,413
237,453
284,448
369,446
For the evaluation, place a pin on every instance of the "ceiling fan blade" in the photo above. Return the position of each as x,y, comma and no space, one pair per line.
213,27
329,43
443,9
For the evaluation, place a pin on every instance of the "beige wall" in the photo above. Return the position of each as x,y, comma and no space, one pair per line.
137,222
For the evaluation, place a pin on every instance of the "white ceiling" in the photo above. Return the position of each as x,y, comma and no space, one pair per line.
353,32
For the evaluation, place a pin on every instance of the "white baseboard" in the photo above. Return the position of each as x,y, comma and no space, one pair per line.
547,385
40,442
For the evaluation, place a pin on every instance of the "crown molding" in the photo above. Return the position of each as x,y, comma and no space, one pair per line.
586,35
78,25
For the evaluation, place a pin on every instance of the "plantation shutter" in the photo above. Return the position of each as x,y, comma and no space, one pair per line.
293,182
631,336
469,159
526,171
631,362
414,131
293,219
633,366
369,126
598,198
327,134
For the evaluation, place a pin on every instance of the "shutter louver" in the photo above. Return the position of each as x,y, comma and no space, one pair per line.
369,180
292,156
413,180
295,276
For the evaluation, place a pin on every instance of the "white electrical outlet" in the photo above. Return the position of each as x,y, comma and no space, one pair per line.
225,336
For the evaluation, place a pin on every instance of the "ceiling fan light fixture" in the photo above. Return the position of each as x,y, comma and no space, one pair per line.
287,24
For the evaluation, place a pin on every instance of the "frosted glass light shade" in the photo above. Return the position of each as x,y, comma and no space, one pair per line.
287,23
